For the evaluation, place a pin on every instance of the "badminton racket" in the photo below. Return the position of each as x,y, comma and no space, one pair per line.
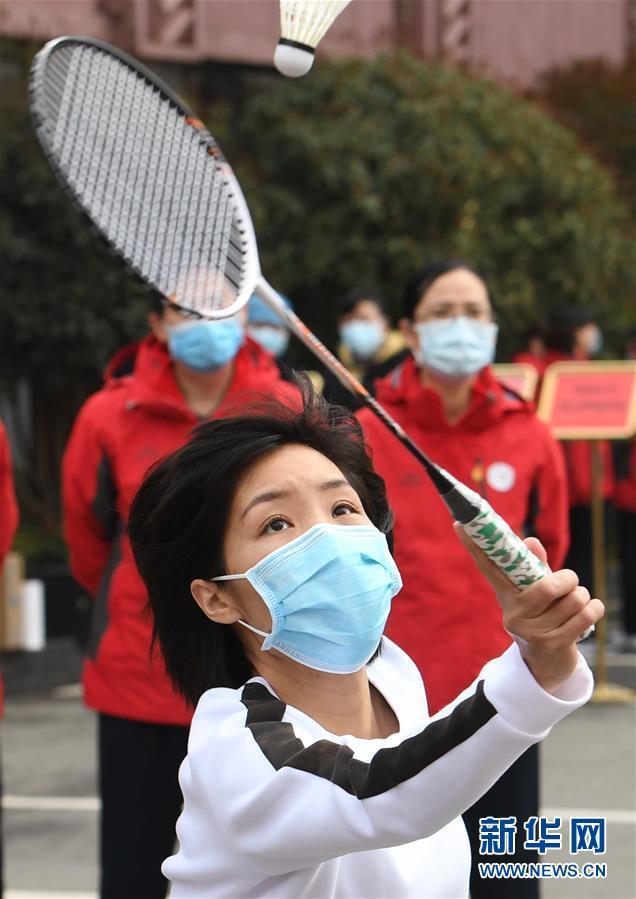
154,183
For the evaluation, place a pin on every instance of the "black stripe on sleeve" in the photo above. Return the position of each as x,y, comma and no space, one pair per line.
336,763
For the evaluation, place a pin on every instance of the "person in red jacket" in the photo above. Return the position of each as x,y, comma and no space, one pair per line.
185,372
448,400
8,525
572,335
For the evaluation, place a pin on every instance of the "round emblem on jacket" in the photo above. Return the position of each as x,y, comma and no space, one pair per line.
501,476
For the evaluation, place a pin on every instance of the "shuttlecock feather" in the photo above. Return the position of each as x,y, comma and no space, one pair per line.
303,24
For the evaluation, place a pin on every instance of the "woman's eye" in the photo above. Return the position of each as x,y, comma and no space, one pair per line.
342,509
276,525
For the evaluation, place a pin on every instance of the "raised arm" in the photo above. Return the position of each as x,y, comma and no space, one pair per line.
285,803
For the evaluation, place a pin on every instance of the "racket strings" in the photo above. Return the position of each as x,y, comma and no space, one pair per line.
145,177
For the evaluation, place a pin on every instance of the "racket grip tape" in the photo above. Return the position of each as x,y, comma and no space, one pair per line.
498,541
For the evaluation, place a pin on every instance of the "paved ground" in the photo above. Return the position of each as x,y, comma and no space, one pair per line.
50,805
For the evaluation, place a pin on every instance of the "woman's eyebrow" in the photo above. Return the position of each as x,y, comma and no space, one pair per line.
454,301
334,484
269,495
265,497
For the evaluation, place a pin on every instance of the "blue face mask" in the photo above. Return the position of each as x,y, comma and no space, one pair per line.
274,340
363,338
205,346
329,594
456,347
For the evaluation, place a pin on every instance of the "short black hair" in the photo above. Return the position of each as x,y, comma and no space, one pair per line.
419,283
348,301
179,517
562,326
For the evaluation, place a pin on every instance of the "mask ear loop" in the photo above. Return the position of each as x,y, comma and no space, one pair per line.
238,577
255,630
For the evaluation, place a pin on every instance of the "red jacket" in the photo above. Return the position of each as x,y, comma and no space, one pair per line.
8,504
446,616
578,457
119,433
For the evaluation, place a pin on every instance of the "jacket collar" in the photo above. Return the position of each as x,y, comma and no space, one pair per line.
152,383
489,400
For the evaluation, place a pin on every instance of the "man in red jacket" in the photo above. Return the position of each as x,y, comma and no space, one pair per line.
183,373
448,401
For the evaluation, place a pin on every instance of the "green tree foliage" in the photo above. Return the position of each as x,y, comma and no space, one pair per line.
598,102
365,171
360,172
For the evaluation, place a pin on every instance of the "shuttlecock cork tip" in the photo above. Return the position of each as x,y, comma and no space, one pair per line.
293,59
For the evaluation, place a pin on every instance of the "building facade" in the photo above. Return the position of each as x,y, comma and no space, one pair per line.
513,41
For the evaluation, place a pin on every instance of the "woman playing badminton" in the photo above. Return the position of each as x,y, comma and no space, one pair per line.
313,768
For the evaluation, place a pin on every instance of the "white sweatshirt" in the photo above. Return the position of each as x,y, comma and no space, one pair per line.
276,806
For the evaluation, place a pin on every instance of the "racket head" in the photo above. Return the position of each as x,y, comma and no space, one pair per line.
146,172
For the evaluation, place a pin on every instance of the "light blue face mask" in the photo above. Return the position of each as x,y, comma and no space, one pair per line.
363,338
205,346
274,340
329,594
456,347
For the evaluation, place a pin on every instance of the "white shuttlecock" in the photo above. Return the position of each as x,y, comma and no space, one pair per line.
303,24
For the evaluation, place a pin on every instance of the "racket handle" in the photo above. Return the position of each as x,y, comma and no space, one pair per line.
498,541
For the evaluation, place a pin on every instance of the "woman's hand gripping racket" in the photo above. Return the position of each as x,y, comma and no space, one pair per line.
156,186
